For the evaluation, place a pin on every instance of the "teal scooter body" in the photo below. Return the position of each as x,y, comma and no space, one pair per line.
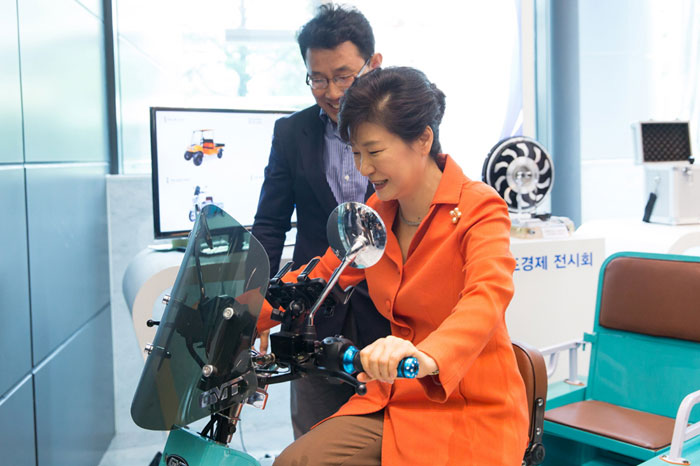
185,447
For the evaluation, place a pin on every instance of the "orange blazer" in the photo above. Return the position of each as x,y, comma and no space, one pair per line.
449,299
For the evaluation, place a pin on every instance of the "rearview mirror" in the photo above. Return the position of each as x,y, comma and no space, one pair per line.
354,227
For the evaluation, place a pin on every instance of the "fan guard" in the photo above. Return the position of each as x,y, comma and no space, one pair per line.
521,171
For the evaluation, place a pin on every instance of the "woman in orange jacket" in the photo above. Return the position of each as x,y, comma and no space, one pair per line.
444,283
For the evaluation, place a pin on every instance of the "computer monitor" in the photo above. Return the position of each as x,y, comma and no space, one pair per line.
207,156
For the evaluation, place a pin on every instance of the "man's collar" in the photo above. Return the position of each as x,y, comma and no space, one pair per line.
327,121
324,116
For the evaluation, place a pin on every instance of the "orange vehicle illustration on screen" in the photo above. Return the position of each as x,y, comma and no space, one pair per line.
202,144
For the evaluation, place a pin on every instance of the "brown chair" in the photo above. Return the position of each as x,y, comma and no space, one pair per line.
534,373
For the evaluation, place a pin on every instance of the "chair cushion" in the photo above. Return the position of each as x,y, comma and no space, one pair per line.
638,428
657,297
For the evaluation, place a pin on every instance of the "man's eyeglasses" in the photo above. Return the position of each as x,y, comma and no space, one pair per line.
343,82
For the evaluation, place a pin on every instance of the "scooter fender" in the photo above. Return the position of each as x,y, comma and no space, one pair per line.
186,448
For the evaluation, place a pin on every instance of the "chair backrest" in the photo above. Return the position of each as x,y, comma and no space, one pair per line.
646,346
534,373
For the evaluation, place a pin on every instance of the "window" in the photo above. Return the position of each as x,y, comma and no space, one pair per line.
209,54
243,54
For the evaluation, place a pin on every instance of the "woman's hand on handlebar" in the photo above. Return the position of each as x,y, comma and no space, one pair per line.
381,358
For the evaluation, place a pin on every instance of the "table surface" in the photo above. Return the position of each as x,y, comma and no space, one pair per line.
635,235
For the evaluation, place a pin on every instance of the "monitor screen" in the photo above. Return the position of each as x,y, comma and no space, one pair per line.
207,156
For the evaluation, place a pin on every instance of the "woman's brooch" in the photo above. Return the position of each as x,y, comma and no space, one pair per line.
456,214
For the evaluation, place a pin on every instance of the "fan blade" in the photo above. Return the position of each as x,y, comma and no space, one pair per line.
498,183
510,196
500,165
545,183
509,153
523,147
538,155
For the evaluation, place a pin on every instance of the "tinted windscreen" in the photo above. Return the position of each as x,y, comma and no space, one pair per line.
200,361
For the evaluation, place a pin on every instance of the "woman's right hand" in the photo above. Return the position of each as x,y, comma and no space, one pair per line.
381,359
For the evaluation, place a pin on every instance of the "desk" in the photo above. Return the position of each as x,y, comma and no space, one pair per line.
556,283
635,235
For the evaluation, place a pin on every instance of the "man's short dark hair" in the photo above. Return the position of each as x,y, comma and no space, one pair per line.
334,25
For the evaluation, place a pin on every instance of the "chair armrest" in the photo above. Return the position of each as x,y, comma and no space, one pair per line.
552,353
682,431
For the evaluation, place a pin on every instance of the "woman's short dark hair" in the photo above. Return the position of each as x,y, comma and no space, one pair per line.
334,25
401,99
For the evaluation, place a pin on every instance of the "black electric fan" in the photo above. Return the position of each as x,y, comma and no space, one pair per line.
521,171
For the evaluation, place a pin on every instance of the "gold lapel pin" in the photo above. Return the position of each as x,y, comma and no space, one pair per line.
455,214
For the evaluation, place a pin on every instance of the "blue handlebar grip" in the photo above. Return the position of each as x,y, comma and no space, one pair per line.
349,360
407,369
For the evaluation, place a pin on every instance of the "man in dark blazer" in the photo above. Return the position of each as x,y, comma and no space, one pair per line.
312,170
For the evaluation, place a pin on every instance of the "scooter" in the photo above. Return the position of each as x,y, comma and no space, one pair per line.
202,362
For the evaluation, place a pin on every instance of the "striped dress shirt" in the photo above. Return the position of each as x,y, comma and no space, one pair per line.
345,180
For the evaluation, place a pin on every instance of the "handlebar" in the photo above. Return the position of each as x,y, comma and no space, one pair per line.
335,357
407,368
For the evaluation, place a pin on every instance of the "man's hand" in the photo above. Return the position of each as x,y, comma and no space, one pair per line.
381,358
264,338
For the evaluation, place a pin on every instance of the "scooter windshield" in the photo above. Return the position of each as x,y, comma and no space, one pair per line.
199,362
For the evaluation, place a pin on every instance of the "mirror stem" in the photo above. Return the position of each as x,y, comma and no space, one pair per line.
359,244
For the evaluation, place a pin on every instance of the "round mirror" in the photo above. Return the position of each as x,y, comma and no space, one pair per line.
354,224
